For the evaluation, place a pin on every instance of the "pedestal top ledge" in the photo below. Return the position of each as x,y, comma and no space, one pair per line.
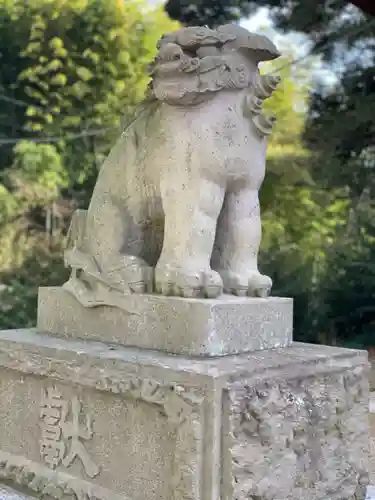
193,327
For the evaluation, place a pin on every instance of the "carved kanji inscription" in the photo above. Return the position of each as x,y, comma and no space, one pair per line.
52,447
64,431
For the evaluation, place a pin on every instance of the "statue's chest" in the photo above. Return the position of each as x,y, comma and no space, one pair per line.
224,128
232,133
231,138
219,136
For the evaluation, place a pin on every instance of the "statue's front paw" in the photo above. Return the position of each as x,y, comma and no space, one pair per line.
183,283
252,284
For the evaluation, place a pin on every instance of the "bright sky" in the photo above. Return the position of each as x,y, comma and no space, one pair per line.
260,20
299,43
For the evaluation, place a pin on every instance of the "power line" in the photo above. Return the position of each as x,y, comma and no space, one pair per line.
297,60
69,137
16,102
53,139
96,132
307,27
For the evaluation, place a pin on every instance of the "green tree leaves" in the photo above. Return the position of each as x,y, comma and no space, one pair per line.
70,71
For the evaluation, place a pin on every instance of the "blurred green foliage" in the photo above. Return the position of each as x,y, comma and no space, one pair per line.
72,72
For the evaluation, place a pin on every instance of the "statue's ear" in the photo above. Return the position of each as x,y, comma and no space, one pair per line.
258,48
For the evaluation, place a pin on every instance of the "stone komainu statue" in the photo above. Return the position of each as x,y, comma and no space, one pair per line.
175,209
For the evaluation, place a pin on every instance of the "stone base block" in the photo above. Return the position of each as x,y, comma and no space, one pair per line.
81,420
7,493
196,327
372,437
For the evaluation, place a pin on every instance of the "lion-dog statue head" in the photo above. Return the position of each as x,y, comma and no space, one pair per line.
193,64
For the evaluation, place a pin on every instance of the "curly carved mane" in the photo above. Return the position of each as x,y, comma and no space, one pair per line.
194,63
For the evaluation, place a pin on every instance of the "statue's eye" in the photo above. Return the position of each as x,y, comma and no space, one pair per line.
176,57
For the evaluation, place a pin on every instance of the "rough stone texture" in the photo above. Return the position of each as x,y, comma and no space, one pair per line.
175,211
372,458
184,326
7,493
372,438
296,435
175,208
272,425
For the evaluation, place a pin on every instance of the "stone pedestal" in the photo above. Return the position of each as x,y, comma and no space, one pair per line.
372,438
194,327
84,420
120,395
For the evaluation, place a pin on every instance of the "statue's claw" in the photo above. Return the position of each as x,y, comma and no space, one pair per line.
251,284
183,283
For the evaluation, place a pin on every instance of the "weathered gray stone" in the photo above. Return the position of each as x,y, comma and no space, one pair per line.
7,493
175,208
175,211
273,425
372,437
226,325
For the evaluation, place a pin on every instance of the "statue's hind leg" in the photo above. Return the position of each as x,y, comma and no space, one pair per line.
191,210
115,243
